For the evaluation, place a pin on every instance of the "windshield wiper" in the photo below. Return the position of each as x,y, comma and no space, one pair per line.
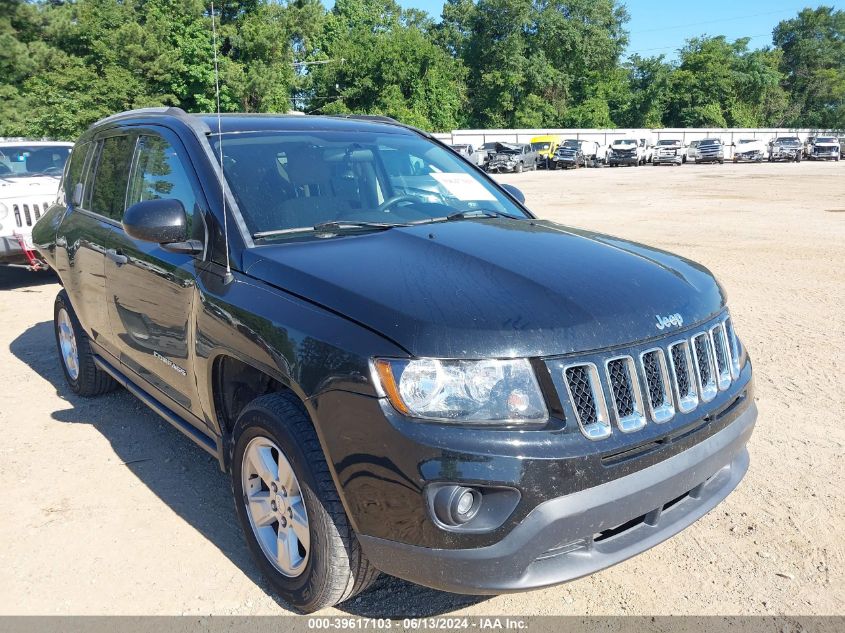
323,227
480,213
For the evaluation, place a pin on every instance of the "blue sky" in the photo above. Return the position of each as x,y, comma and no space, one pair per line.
661,26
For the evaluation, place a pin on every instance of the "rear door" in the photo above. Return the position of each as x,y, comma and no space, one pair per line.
87,226
151,291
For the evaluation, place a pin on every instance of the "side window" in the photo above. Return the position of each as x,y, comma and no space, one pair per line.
108,194
160,174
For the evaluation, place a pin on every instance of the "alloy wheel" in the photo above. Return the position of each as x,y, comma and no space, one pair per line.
275,507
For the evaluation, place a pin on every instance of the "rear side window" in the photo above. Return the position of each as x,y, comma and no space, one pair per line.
108,194
160,174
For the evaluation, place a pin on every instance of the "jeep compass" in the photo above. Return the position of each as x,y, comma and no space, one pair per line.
400,367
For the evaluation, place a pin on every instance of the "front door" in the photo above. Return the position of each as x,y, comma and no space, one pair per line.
151,291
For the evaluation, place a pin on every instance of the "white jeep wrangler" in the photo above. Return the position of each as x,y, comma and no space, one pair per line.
29,181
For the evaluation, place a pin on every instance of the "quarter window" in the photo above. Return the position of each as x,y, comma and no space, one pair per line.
74,169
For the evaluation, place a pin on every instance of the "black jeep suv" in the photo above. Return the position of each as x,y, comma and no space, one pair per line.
400,366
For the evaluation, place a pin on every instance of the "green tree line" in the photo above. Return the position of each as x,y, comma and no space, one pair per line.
483,63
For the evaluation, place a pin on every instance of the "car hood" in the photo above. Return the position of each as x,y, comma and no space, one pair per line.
12,187
493,287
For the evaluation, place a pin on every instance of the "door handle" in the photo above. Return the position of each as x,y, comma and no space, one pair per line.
118,258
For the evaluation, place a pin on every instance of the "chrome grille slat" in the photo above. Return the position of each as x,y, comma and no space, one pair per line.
685,388
656,375
704,370
26,215
733,348
625,393
718,340
587,399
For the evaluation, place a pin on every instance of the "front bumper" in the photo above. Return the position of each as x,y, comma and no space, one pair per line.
622,160
11,253
577,534
668,159
824,156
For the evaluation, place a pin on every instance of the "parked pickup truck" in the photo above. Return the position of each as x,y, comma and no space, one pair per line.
574,153
669,152
825,148
625,152
710,150
29,178
749,150
786,149
393,380
476,157
515,157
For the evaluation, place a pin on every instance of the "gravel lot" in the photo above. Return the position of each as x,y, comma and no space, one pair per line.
108,510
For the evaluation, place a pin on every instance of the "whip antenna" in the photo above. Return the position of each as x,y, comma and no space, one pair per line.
220,144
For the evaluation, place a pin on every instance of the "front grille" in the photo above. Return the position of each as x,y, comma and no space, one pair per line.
587,398
27,214
630,391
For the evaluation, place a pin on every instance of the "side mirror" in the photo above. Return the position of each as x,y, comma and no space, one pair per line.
159,221
515,192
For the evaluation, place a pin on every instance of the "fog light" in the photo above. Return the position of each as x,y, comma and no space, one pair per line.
456,505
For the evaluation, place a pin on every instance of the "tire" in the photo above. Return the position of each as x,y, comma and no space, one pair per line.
518,168
75,356
334,568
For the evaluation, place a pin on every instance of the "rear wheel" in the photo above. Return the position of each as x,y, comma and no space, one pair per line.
295,526
77,360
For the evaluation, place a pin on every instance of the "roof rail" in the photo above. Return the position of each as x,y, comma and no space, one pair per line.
378,118
179,113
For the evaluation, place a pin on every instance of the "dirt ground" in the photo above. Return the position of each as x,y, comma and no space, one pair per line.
108,510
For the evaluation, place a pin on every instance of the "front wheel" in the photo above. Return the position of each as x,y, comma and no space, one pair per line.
518,168
295,525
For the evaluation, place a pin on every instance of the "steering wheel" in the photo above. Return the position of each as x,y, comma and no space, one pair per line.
392,202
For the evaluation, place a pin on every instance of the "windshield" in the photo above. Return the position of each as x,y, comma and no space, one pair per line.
665,143
625,142
26,161
826,139
571,144
296,180
744,141
711,141
541,146
787,140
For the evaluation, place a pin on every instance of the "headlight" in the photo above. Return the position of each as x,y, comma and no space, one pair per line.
4,210
478,391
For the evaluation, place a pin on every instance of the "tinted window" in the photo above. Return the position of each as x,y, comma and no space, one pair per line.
353,176
160,174
74,169
108,194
